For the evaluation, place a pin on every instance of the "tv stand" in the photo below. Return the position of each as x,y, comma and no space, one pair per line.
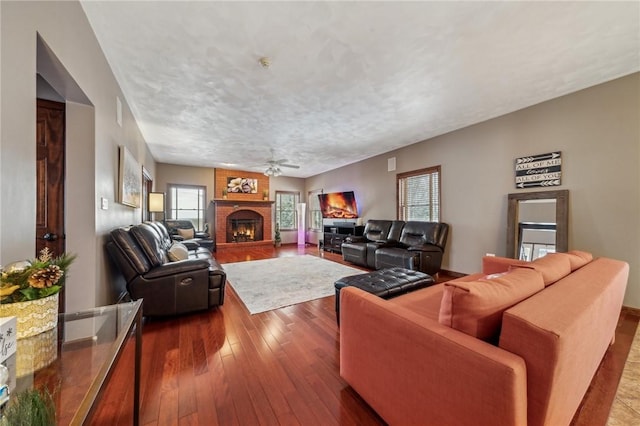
335,234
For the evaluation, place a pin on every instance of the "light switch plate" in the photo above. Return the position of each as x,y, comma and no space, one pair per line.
104,203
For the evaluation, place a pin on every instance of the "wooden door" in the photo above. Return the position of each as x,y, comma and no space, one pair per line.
50,166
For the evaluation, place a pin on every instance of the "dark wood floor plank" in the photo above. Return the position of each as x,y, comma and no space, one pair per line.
247,356
226,367
190,420
154,350
168,414
602,390
244,410
205,400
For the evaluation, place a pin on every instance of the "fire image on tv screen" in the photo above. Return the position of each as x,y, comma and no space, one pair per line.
338,205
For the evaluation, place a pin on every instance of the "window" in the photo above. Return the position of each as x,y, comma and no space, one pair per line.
419,195
315,214
187,202
286,210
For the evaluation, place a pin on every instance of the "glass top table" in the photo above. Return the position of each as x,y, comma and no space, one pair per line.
75,359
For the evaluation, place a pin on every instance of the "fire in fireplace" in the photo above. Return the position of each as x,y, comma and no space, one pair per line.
244,226
243,230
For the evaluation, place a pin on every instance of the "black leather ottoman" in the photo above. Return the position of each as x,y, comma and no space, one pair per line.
385,283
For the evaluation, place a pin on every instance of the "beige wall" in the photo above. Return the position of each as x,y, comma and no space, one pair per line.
598,132
93,137
184,175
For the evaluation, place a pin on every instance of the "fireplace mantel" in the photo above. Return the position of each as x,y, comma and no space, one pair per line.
244,203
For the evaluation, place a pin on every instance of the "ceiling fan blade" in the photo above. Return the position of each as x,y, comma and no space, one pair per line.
282,163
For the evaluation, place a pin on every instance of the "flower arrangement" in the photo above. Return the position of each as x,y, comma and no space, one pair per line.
35,279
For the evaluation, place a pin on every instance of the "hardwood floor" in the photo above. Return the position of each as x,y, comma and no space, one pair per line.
280,367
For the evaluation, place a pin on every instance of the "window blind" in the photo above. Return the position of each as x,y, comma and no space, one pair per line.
419,195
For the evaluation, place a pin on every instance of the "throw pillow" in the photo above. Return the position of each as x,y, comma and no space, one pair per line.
187,234
553,267
578,258
177,251
476,307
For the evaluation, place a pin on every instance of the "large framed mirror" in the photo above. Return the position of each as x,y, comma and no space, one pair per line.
538,223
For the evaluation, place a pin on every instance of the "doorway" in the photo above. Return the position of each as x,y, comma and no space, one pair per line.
147,187
50,174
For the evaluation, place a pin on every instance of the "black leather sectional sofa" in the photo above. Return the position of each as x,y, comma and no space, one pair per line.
394,243
141,252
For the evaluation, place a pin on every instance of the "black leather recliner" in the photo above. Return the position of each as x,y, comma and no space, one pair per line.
420,247
377,233
200,239
168,288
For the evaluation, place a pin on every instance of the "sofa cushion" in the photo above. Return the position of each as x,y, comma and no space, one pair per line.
186,233
578,258
553,267
497,264
476,307
377,230
149,240
425,302
178,251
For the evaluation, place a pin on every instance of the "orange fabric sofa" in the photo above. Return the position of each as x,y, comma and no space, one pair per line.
462,353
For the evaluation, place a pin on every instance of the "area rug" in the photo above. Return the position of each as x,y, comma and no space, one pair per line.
264,285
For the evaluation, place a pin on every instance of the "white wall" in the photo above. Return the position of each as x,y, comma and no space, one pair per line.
93,137
598,132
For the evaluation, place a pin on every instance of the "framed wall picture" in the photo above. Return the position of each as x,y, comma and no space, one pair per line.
240,185
129,179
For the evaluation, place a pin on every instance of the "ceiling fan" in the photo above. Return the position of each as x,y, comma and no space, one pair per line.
274,168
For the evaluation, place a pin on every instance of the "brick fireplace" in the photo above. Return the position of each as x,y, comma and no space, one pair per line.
243,223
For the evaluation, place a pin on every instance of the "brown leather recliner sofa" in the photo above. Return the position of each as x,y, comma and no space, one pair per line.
167,287
412,245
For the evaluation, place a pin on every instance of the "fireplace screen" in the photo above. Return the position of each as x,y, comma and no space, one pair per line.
244,226
243,230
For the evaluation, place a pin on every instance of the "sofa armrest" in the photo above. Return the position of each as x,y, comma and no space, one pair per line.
176,237
201,234
172,268
413,370
497,264
425,248
191,244
386,243
356,239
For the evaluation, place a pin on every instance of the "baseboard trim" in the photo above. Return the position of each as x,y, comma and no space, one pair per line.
631,311
453,273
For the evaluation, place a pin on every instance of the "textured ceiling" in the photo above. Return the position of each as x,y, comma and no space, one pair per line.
347,80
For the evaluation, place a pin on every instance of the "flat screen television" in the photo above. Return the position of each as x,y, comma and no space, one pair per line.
338,205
